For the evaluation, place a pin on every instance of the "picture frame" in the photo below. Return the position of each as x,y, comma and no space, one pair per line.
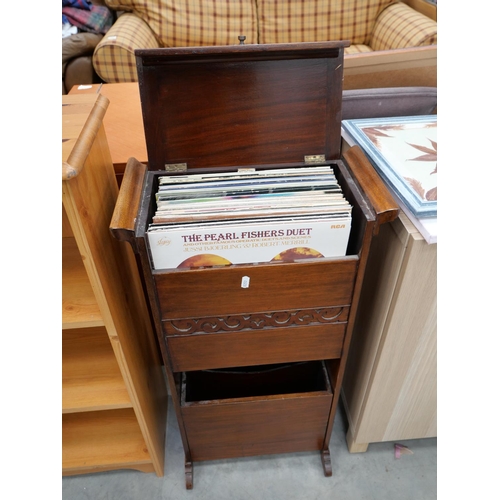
403,150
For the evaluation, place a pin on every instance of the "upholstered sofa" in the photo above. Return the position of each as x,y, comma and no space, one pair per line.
392,44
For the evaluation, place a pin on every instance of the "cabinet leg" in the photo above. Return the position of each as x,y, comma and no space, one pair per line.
354,447
188,471
327,462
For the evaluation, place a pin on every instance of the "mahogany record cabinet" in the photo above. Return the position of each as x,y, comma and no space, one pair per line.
254,370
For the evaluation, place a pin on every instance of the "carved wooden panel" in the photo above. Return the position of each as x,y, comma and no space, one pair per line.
259,321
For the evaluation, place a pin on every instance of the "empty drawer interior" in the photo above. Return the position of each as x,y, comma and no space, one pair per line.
254,381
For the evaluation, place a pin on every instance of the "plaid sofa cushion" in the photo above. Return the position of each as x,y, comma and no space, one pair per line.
289,21
114,59
191,23
399,26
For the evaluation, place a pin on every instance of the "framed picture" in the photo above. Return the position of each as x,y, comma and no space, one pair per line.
403,150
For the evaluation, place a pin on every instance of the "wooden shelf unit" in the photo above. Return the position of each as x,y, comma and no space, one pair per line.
114,396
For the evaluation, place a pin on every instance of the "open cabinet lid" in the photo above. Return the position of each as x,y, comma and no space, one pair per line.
241,105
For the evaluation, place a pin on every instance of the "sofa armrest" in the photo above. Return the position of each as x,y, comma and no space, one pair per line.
79,71
114,59
77,59
399,27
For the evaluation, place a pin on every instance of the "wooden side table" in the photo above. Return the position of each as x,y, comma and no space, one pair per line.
123,122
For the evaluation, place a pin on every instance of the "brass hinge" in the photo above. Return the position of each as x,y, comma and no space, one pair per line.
308,159
176,167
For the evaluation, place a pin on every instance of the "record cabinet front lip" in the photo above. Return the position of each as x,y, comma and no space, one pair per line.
292,286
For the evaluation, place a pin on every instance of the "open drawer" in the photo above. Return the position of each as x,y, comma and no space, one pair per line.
210,292
256,410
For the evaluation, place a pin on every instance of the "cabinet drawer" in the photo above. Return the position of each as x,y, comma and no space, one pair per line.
271,287
271,409
254,347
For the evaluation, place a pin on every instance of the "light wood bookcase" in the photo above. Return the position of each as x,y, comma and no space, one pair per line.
114,396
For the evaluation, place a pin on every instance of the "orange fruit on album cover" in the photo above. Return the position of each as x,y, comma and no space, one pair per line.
205,260
297,253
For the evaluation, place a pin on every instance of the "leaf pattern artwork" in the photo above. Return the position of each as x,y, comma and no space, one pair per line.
430,154
417,186
404,152
432,194
375,133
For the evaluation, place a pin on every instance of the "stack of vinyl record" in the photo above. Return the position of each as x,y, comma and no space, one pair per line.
248,217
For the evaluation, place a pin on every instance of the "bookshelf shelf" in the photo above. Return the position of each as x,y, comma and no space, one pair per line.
103,440
79,306
114,391
91,375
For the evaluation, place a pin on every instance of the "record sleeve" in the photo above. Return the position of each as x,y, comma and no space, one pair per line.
243,242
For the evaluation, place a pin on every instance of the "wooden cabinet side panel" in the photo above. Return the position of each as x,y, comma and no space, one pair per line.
415,412
401,398
383,268
89,201
67,232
